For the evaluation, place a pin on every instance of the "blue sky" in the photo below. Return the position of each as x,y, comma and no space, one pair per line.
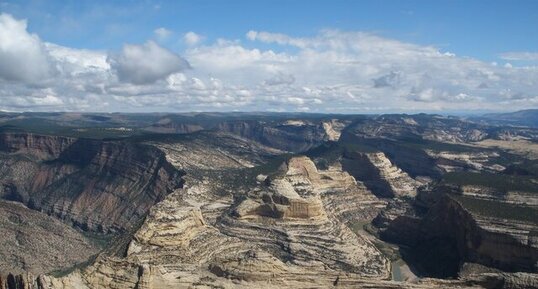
335,56
480,29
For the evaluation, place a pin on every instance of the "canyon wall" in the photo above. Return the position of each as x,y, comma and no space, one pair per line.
100,186
289,136
449,235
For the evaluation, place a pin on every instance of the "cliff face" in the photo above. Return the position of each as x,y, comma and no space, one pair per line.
39,146
96,185
450,235
379,174
288,136
184,242
507,245
414,161
205,246
36,243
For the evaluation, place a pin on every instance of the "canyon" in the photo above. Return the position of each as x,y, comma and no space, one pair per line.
267,201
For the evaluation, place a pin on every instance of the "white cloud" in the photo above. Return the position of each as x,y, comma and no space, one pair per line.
280,78
333,71
76,61
162,33
278,38
520,55
192,38
22,57
47,100
145,63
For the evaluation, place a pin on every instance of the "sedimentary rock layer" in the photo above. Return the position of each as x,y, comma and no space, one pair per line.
96,185
36,243
379,174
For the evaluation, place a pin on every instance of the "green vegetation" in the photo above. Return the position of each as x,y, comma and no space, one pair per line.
489,208
332,151
501,182
99,240
66,271
424,144
45,127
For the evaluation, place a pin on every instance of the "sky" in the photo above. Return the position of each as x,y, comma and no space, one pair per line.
309,56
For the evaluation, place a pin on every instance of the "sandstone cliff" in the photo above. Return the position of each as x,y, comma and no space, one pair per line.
287,136
451,234
379,174
102,186
302,241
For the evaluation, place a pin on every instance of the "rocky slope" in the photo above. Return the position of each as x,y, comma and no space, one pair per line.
182,245
288,230
96,185
213,151
34,242
253,215
429,127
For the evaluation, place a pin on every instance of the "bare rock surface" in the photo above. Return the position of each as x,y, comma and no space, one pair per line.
95,185
383,197
305,245
35,243
380,174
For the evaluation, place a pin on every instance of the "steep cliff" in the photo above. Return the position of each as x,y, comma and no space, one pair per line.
408,156
288,136
452,232
379,174
41,147
101,186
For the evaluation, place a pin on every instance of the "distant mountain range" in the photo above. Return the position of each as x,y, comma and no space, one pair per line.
528,117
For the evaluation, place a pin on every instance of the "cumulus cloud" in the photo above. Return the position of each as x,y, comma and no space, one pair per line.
22,56
145,63
162,33
332,71
278,38
192,38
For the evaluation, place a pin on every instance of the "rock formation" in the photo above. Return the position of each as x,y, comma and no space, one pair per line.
36,243
379,174
286,136
96,185
225,201
298,233
458,234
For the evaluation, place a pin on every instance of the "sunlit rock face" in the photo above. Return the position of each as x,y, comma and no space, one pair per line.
288,230
380,175
230,203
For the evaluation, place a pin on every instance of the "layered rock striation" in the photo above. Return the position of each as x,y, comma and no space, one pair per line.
35,243
287,136
458,228
101,186
288,231
379,174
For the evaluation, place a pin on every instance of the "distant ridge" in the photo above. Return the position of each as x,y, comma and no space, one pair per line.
527,117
